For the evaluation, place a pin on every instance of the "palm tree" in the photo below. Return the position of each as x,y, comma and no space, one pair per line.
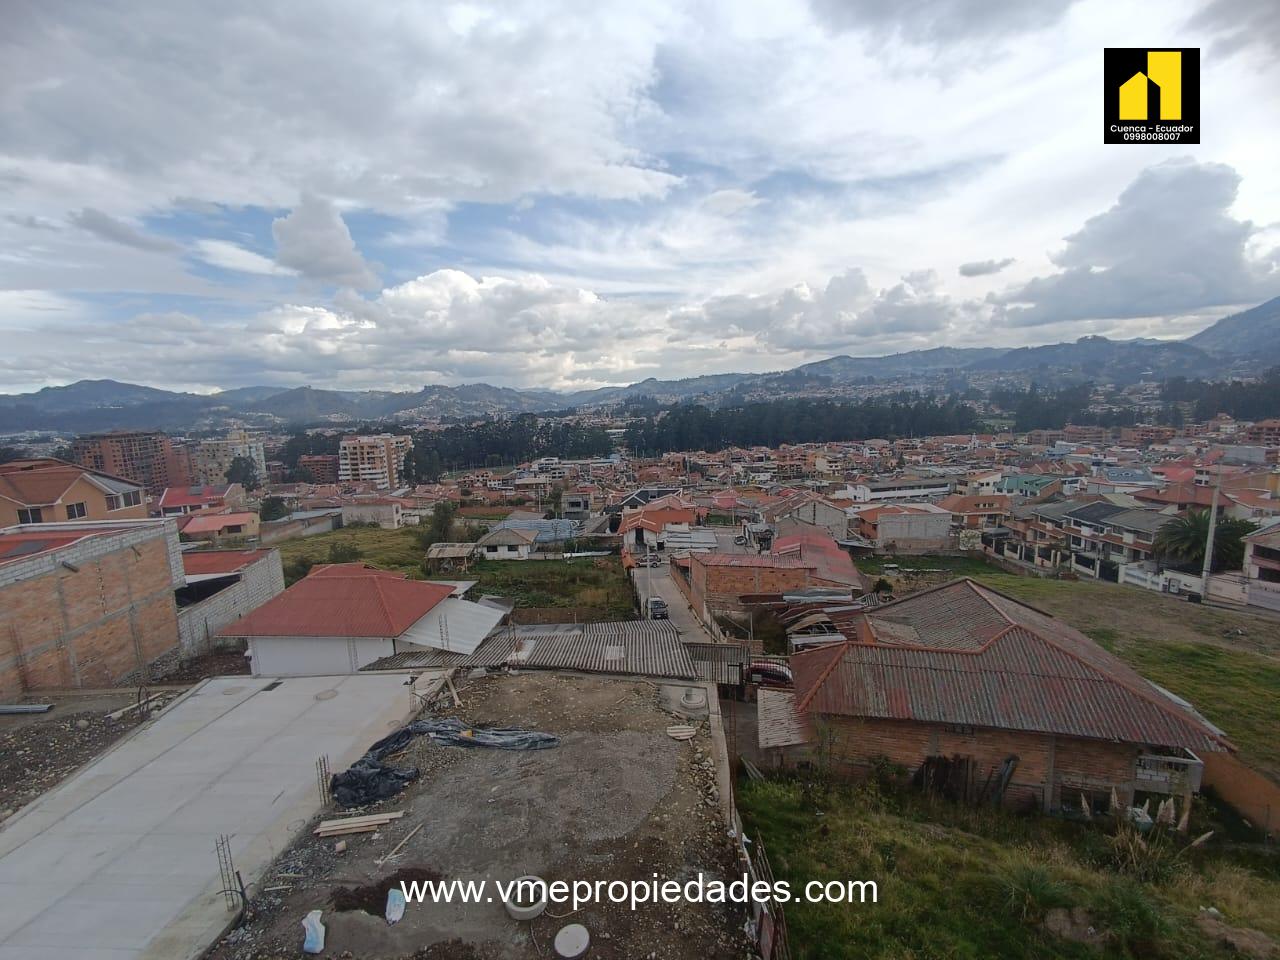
1182,541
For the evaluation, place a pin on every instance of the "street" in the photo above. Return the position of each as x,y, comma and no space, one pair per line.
656,581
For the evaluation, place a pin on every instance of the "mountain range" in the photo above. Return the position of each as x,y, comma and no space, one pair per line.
1242,342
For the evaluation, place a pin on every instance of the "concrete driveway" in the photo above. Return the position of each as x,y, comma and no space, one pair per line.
118,862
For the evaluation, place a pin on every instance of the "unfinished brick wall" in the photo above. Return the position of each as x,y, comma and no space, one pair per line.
722,587
1061,765
90,626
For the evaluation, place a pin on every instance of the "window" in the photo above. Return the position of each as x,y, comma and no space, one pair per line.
75,510
114,502
491,549
133,498
30,515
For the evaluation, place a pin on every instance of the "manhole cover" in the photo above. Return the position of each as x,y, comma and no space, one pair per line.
326,694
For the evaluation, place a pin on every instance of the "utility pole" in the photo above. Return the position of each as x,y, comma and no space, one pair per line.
1208,546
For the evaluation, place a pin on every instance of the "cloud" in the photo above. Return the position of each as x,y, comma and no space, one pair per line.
1168,246
845,312
107,227
983,268
1240,25
930,22
314,241
231,256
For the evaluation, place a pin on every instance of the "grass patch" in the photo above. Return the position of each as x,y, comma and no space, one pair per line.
596,582
960,882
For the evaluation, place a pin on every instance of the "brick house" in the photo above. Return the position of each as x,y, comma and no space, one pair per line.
85,604
714,582
965,673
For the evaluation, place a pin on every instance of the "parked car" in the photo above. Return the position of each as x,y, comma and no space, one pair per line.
655,608
765,673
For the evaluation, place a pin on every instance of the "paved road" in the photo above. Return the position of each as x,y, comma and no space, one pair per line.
656,581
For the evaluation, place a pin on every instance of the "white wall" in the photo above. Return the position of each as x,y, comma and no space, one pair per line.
315,656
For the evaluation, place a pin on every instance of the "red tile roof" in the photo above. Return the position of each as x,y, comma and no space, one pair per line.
196,496
204,562
343,603
964,654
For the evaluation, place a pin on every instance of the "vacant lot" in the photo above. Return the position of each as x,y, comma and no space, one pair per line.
595,583
965,883
1225,662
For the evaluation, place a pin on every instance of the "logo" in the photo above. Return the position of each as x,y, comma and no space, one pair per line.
1152,95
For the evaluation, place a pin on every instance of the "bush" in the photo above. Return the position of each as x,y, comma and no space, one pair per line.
343,552
1031,891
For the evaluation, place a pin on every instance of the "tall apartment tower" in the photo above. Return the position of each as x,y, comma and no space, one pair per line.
211,459
378,460
150,459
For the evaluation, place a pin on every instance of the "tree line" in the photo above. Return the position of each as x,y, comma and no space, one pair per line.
1259,400
774,422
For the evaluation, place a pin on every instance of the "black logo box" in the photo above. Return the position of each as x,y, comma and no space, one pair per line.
1121,63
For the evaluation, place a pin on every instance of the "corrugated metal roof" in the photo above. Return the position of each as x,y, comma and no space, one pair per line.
636,647
1037,674
778,723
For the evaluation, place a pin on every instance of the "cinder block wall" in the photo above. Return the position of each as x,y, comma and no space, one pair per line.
90,626
198,623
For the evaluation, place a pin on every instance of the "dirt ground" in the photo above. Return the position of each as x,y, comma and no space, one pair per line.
38,751
221,664
617,800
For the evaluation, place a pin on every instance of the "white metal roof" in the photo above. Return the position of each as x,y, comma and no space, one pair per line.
455,625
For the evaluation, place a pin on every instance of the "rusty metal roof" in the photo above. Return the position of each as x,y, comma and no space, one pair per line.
1035,674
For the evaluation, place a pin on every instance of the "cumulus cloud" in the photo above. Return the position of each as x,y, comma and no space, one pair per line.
847,311
983,268
314,241
1168,246
107,227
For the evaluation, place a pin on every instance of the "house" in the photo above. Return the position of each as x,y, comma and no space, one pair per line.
47,490
1005,694
905,488
215,527
86,604
902,527
717,582
1262,567
179,501
342,617
811,509
506,544
833,566
384,512
977,512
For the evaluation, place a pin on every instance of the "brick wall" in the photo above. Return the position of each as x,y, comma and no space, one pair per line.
715,588
1063,765
88,626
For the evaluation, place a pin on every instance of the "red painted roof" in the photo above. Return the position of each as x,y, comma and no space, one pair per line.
203,562
343,603
964,654
193,496
752,560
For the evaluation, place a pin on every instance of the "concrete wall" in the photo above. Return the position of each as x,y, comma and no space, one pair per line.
275,531
93,625
198,623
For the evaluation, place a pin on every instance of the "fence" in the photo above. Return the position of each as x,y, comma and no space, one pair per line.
769,919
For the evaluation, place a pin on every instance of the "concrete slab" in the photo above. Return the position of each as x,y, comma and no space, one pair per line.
118,862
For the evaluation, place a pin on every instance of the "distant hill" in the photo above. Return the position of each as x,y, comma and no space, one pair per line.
1253,333
1241,341
1120,361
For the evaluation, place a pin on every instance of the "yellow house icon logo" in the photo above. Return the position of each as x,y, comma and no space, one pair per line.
1164,74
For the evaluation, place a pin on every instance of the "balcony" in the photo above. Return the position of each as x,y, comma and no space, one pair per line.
1161,773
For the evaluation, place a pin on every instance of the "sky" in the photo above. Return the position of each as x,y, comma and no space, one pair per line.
568,195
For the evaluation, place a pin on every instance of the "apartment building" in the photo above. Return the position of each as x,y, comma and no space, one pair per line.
376,459
1264,433
46,490
1262,566
211,459
323,467
149,459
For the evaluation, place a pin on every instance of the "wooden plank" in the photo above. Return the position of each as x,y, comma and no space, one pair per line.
369,818
367,828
